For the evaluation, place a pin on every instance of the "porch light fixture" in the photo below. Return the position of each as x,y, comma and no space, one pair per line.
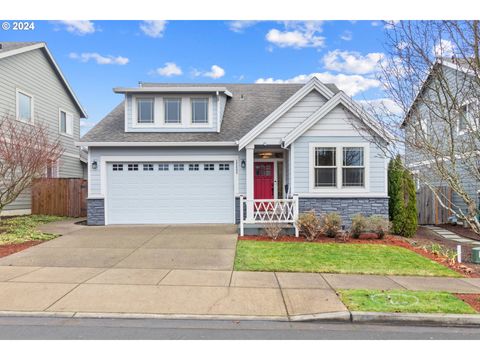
265,155
94,164
243,164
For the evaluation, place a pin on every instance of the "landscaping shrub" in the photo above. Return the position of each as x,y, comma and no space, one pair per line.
359,225
411,219
379,225
309,225
331,224
273,230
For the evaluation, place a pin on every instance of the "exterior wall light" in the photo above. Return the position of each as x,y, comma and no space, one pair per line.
243,164
94,164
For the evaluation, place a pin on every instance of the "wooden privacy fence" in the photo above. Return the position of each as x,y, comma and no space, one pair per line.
430,211
62,197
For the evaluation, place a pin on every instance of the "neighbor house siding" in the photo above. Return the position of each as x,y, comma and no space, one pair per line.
32,72
97,152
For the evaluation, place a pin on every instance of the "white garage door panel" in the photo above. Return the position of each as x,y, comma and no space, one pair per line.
170,197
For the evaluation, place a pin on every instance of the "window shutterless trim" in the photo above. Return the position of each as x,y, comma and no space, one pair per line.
17,106
192,112
137,101
165,111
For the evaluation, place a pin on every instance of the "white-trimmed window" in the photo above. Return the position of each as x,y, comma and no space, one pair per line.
24,106
173,110
52,170
208,167
147,167
193,167
145,110
132,167
117,167
163,167
199,110
66,122
325,167
466,120
178,167
223,167
353,171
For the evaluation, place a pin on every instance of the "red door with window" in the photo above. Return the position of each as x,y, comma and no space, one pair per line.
263,180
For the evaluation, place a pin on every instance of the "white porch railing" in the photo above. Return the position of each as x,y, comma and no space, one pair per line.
264,211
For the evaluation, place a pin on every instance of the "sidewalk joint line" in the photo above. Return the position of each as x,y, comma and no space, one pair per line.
283,297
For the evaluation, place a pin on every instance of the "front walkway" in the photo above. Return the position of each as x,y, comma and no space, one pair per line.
449,235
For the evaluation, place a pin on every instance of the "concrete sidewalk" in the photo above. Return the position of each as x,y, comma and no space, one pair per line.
195,292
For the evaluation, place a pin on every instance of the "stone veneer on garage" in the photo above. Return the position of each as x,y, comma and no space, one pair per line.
95,212
346,207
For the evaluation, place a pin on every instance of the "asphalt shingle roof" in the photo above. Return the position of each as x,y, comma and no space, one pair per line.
249,105
8,46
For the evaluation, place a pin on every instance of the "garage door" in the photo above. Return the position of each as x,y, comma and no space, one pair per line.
170,193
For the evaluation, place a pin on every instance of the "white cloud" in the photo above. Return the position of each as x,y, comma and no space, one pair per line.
352,62
351,84
79,27
100,59
445,48
169,69
153,28
376,23
297,34
346,36
215,72
382,106
239,26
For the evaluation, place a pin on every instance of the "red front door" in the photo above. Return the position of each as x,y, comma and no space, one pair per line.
263,180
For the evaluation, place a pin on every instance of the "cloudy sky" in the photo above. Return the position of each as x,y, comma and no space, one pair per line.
99,55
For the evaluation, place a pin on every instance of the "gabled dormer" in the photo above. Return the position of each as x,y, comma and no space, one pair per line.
174,108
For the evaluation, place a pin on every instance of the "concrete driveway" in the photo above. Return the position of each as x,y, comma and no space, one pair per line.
199,247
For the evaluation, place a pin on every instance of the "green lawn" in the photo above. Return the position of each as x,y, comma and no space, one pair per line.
404,301
20,229
335,258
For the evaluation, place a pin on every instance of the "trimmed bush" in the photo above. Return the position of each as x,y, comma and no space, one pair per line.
310,225
331,224
379,225
359,225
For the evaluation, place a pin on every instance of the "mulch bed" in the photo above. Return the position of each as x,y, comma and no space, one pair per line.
9,249
471,299
460,230
371,239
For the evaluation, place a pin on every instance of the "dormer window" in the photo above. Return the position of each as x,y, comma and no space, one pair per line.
145,110
200,111
173,110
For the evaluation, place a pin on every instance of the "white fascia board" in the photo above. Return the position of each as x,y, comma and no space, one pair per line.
156,144
313,84
172,89
55,65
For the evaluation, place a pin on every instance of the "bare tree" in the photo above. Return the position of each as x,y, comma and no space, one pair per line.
431,73
25,153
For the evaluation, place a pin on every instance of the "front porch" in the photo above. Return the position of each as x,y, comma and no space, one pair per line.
269,198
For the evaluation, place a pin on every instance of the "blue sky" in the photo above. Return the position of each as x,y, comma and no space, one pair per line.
99,55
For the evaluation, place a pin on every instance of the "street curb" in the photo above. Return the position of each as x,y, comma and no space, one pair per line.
420,318
332,316
61,314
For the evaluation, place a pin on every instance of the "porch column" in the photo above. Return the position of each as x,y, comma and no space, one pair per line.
249,174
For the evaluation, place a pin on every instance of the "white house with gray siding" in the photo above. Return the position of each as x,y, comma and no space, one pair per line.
230,153
33,89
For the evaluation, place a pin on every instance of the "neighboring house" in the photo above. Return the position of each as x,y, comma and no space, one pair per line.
433,120
187,153
33,89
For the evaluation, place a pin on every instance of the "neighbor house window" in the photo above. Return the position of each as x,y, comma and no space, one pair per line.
163,167
325,167
173,111
145,110
52,170
66,123
24,107
465,118
353,172
200,111
208,167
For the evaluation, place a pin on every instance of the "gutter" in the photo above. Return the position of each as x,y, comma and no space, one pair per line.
155,144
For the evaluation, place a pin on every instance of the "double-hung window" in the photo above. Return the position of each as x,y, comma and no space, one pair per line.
145,110
353,171
466,119
173,110
325,167
66,123
24,107
200,111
